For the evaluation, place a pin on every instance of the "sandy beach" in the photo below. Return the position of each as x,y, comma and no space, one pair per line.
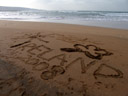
50,59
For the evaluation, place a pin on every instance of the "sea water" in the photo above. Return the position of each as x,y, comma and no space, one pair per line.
111,19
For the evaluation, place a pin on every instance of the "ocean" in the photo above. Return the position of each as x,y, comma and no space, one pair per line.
109,19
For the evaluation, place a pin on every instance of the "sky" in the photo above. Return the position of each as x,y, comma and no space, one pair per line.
99,5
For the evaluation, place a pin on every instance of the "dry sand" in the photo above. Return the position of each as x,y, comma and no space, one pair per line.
48,59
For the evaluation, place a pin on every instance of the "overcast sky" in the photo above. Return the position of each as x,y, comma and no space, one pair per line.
107,5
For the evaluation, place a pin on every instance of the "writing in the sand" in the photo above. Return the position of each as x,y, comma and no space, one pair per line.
41,57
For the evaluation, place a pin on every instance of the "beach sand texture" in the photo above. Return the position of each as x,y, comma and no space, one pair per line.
48,59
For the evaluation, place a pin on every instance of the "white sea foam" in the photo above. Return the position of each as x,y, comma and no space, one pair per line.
59,15
74,17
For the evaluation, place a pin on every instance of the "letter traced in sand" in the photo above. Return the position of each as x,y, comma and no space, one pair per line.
98,72
61,57
90,64
38,37
30,60
83,68
46,75
99,53
37,48
20,44
41,66
55,71
31,45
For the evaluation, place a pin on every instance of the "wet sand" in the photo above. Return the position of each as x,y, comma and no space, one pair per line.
48,59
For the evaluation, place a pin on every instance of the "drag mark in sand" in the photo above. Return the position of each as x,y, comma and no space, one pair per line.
20,44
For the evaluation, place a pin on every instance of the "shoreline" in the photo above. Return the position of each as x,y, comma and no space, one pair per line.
61,26
102,24
51,59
